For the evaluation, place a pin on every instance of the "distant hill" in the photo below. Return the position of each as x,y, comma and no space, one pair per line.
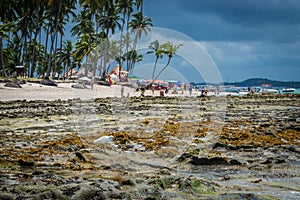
260,81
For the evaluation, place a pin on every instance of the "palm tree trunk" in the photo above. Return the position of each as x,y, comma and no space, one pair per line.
120,54
33,53
154,69
2,60
163,69
45,52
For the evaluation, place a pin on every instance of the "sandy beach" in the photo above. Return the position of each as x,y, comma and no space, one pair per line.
64,91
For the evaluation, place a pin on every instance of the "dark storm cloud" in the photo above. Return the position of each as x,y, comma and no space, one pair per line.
272,20
248,12
245,38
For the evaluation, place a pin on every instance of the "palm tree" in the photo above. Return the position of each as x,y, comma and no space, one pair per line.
139,5
67,8
158,51
4,29
7,10
110,21
139,24
126,8
171,49
83,24
83,48
66,55
134,57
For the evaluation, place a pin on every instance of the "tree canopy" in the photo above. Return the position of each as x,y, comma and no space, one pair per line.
33,34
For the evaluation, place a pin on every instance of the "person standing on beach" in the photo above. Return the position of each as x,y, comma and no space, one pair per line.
92,83
152,89
142,92
122,91
191,89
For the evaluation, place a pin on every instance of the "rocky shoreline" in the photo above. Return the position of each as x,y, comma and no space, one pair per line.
163,148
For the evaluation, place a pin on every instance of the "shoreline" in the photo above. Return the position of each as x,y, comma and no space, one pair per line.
64,91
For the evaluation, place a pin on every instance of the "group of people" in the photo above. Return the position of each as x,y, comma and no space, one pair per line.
142,89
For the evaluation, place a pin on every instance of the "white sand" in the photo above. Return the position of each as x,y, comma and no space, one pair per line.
35,91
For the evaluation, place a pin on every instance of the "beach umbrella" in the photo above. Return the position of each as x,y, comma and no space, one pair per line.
161,82
149,81
173,82
132,76
141,82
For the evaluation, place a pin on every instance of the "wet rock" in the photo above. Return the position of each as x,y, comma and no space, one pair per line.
213,161
86,193
222,145
48,82
272,160
294,149
196,186
6,196
241,197
80,156
70,189
25,163
13,84
256,181
36,173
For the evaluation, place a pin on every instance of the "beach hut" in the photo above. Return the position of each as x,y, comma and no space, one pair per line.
114,78
116,70
20,70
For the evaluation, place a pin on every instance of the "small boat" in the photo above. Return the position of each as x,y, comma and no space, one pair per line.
288,90
268,91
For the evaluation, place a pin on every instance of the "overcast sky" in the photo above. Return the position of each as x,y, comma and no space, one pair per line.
245,38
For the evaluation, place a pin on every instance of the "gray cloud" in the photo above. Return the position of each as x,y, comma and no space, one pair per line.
246,38
248,12
273,20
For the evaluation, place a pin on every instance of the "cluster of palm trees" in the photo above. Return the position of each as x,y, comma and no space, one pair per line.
167,48
33,34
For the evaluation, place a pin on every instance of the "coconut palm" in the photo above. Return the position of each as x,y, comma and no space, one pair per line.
134,57
126,8
4,29
7,10
66,55
110,21
83,48
139,5
158,51
171,49
46,23
139,24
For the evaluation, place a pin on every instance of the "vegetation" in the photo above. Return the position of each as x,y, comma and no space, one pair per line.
167,48
33,34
